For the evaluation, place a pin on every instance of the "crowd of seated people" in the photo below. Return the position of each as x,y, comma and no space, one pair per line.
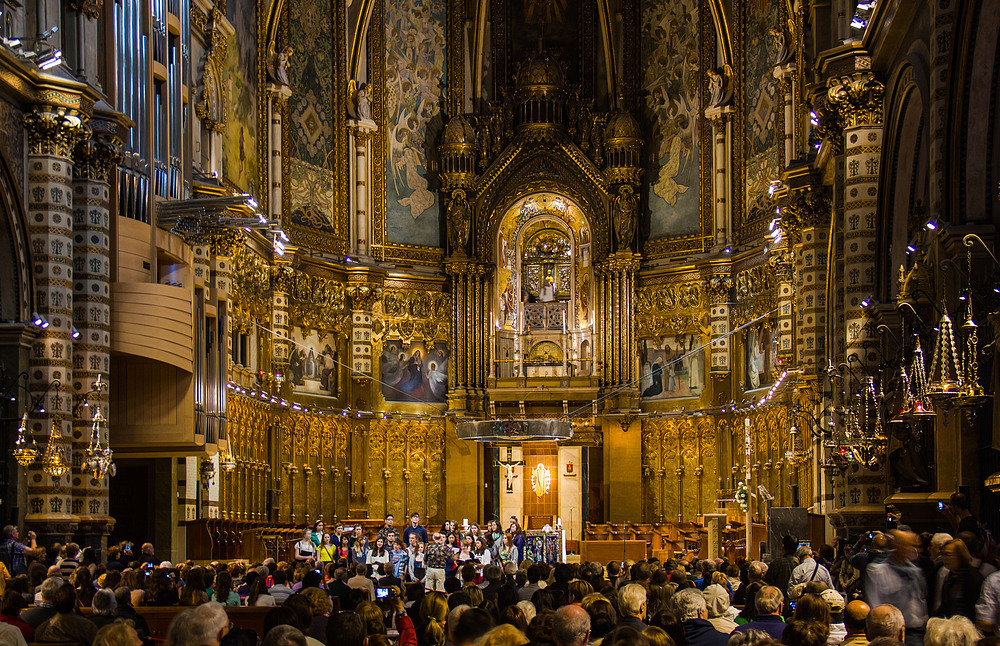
883,589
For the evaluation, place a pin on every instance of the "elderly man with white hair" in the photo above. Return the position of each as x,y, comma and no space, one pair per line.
632,606
808,569
690,607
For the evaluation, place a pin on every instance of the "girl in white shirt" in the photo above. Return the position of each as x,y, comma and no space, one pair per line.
379,553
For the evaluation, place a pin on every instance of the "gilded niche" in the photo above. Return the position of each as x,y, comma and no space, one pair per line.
318,303
411,314
755,293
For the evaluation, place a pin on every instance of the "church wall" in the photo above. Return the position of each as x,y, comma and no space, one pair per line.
415,81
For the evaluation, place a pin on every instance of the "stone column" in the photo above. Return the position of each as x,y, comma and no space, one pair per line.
362,134
810,209
722,127
859,99
785,74
95,159
52,134
282,278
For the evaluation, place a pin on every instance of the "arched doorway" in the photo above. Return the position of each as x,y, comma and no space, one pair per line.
544,318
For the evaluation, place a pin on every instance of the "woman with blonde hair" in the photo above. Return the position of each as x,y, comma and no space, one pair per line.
433,616
508,551
578,591
504,635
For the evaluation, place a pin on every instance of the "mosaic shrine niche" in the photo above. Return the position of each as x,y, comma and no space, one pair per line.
544,285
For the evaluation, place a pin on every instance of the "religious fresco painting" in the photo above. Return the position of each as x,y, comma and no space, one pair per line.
310,73
760,354
312,363
414,372
672,366
671,77
510,238
415,70
763,150
239,90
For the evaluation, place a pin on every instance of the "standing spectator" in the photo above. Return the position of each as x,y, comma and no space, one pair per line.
147,555
870,548
808,569
961,583
779,570
414,528
957,512
12,551
899,582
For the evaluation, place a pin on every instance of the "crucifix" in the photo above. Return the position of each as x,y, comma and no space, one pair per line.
508,467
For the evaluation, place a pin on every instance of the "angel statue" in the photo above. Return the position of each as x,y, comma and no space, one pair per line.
278,70
359,107
784,54
718,87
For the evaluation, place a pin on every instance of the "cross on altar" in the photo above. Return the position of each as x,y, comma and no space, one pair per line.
508,467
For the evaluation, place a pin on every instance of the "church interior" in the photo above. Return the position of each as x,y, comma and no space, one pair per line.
677,271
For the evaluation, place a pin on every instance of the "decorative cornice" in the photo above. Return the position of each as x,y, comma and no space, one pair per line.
53,130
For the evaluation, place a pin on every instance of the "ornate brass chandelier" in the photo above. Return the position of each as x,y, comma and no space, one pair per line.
25,449
99,462
54,460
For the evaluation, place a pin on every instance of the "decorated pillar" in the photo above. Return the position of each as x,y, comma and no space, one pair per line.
859,100
52,135
281,288
467,381
95,159
719,292
722,129
363,296
276,108
616,278
806,214
362,130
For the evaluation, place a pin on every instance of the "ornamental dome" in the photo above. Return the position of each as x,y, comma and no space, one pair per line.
621,125
540,71
458,131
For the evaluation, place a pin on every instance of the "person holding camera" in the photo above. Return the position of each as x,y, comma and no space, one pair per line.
12,550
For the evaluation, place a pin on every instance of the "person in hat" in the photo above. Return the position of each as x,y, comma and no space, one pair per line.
717,602
834,601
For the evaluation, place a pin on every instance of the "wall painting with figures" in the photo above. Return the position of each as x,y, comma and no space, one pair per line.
414,372
313,363
672,366
761,354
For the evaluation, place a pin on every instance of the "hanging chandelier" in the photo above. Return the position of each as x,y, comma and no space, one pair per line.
971,392
945,377
54,460
99,462
25,449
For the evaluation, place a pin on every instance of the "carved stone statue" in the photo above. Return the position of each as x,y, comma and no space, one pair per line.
714,89
279,66
459,222
781,42
364,103
626,210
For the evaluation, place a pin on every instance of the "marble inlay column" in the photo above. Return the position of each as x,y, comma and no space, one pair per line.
52,134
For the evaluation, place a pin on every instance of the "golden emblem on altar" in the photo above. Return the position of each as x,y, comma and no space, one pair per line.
541,480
